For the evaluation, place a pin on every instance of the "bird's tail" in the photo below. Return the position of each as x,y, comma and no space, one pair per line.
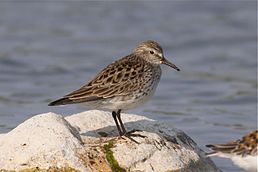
62,101
223,148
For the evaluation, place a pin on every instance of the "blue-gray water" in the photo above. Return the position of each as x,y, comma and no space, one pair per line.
49,49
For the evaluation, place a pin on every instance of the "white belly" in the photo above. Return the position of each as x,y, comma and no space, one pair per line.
249,163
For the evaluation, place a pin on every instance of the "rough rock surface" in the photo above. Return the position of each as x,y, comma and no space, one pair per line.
88,142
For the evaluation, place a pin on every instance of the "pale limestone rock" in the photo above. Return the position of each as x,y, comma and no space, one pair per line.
49,140
42,141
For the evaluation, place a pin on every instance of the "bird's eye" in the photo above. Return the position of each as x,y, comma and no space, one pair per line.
152,52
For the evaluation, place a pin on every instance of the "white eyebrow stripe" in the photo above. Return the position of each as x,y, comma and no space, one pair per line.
160,54
156,52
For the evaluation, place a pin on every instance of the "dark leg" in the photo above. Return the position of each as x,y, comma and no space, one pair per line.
114,114
129,134
120,121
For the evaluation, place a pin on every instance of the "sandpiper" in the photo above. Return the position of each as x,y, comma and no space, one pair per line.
243,152
123,84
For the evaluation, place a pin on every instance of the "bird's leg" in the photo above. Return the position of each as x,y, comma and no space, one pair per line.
118,113
129,134
114,114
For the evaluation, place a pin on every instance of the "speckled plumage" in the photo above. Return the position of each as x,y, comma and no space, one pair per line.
123,80
125,83
243,152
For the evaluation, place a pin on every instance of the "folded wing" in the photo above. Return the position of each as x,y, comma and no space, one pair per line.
122,77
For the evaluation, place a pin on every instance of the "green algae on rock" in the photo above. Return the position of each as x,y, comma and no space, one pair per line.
111,159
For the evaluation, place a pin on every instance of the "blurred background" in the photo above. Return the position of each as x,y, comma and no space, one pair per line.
49,49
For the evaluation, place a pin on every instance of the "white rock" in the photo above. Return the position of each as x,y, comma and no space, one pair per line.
49,140
42,141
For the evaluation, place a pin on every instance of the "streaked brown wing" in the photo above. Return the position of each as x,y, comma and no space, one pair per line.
244,146
225,148
248,144
122,77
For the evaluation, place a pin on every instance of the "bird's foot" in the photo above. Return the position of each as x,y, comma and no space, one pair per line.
132,134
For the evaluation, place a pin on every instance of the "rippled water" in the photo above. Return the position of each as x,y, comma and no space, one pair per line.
50,49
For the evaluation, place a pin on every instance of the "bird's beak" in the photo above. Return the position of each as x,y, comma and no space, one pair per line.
166,62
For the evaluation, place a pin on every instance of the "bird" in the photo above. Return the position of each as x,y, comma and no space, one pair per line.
124,84
243,152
